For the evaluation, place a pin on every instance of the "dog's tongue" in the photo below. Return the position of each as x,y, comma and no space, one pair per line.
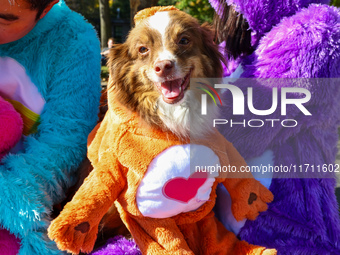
171,89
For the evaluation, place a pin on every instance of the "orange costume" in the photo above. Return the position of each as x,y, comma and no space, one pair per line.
161,187
146,173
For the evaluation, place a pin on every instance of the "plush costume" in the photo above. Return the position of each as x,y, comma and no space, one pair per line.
52,77
118,245
146,172
167,210
11,126
290,40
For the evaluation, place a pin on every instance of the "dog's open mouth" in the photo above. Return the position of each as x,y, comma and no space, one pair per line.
173,91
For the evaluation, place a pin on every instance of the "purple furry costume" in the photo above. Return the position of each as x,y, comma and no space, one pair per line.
292,39
118,245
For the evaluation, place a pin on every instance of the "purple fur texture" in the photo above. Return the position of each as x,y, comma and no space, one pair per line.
263,15
295,39
305,45
118,245
303,218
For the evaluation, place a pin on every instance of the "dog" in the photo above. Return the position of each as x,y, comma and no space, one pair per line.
141,150
151,71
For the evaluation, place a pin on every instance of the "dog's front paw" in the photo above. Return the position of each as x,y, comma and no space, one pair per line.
72,235
249,199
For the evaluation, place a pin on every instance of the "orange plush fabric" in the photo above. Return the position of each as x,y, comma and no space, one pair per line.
147,12
133,168
121,152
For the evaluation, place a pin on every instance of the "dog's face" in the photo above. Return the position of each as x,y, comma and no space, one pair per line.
154,66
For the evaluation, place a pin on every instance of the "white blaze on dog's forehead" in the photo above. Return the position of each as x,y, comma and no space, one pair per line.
165,55
160,21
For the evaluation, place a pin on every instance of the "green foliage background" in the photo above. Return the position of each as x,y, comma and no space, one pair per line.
90,8
335,3
124,7
199,9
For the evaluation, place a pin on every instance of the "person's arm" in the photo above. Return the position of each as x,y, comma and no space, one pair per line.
32,181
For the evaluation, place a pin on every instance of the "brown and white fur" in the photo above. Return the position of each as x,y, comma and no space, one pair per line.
136,81
149,75
151,71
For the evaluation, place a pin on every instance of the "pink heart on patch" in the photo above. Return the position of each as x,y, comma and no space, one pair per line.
182,189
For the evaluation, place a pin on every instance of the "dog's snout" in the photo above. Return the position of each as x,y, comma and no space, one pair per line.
164,68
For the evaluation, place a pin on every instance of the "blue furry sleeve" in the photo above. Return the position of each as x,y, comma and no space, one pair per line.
31,182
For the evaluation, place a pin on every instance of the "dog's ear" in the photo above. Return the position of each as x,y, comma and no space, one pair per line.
211,49
118,62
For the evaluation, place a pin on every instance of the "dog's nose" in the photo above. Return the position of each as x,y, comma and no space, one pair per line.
164,68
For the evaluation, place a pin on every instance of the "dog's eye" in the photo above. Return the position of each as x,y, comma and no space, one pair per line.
184,41
143,50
